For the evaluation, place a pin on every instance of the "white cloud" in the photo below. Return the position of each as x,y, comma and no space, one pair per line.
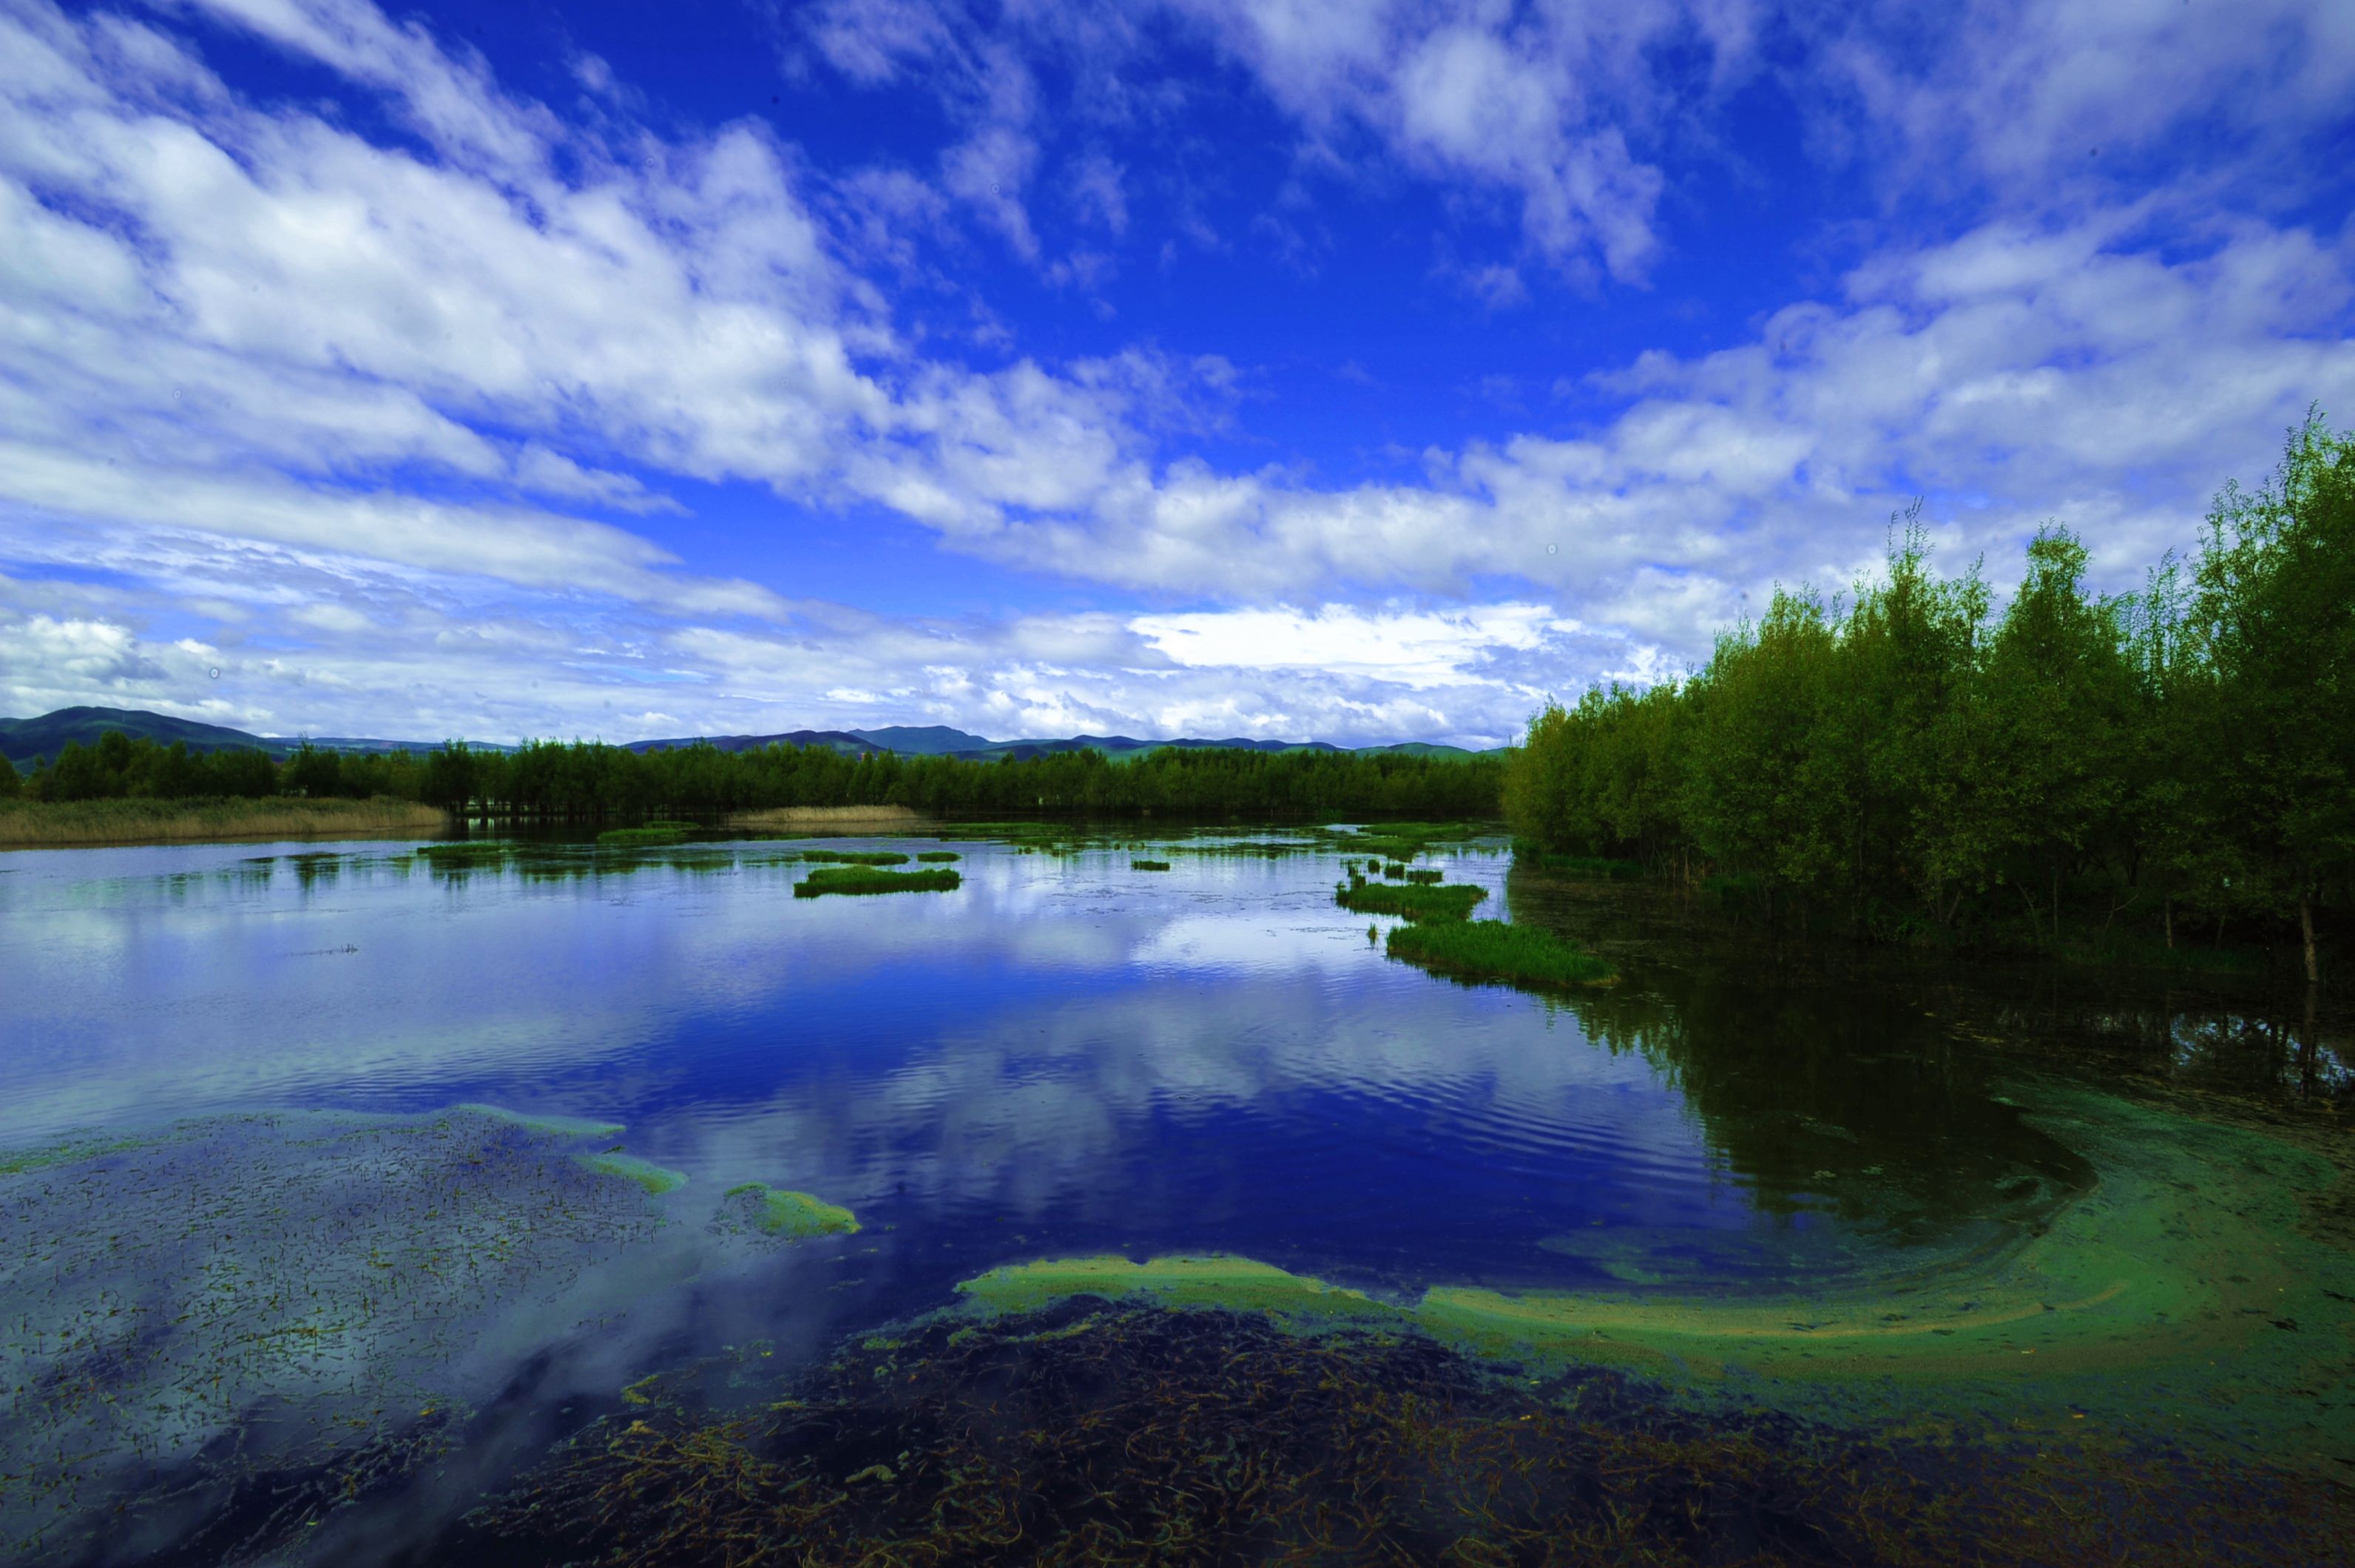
251,359
2052,99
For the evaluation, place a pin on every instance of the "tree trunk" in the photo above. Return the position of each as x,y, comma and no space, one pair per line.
2056,912
2307,1053
2306,927
2170,925
2035,921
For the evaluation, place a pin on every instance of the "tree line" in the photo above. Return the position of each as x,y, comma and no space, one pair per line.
589,781
1903,761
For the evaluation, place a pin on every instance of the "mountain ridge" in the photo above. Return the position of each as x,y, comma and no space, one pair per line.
22,740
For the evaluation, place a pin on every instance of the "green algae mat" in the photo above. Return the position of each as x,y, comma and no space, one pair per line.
2183,1294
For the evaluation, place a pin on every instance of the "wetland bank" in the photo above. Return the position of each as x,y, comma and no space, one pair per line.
1082,1212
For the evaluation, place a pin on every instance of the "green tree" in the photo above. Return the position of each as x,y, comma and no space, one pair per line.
2274,615
1758,795
2054,694
312,771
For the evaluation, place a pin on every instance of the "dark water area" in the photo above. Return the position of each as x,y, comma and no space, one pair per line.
1062,1058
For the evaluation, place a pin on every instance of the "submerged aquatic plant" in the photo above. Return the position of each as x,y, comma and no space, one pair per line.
1492,950
1091,1434
868,880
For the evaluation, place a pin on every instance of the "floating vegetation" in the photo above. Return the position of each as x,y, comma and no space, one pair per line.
1090,1433
782,1213
1413,901
633,838
1424,874
296,1295
868,880
1492,950
1136,864
939,855
1394,869
656,1179
857,857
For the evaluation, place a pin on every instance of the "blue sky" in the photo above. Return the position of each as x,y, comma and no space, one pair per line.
1358,371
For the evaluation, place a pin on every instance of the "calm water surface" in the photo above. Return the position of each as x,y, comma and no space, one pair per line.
1065,1056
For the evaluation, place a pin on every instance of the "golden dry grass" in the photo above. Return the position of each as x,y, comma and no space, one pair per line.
829,816
35,825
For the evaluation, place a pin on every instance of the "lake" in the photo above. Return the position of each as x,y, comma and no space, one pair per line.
214,1054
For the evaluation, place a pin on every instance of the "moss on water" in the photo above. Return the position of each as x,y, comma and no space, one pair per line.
781,1212
2180,1295
656,1179
1211,1279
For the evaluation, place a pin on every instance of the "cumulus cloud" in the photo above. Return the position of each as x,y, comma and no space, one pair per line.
385,409
415,655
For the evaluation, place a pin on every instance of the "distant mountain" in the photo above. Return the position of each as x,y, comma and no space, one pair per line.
850,742
929,740
21,739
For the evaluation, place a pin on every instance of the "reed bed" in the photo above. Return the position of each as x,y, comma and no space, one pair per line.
44,825
868,880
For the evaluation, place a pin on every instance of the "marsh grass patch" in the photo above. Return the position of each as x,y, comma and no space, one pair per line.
870,880
1490,950
1410,900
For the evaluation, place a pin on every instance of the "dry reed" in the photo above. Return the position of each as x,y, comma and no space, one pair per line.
39,824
